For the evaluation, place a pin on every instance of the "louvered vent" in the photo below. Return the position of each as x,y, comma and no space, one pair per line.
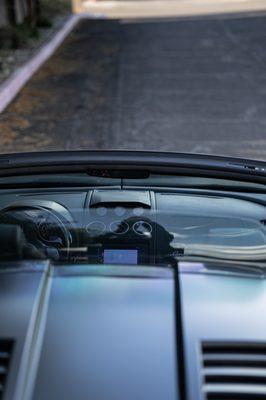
234,371
6,347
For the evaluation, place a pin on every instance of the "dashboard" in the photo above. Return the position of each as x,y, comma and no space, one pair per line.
110,226
98,227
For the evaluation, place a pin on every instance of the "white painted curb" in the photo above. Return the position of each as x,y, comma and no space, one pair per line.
11,87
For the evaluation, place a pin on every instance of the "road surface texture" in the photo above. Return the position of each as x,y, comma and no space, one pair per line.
190,85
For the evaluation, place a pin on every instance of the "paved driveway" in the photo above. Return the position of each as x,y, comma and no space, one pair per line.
196,85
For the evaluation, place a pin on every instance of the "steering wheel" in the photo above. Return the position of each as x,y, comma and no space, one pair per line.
47,226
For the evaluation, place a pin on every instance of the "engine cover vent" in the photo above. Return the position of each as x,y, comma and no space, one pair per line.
234,370
6,347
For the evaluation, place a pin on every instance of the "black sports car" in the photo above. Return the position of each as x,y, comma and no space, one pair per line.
132,276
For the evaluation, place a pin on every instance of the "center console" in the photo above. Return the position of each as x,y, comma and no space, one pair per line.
119,227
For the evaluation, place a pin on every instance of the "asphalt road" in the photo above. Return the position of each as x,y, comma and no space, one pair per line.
193,85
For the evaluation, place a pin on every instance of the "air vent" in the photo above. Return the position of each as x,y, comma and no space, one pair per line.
234,371
6,347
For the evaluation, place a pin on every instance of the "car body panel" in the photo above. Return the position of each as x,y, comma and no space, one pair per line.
219,308
108,338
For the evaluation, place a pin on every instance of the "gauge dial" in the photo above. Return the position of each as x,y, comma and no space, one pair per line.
142,228
138,211
120,211
48,232
101,211
119,227
96,228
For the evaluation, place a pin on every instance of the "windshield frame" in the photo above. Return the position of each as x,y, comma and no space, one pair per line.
100,162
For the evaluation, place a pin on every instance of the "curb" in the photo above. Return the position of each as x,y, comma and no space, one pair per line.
11,87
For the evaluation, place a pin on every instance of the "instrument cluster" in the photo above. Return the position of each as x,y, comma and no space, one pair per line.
100,233
119,221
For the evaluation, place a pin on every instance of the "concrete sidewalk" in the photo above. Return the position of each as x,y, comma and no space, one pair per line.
167,8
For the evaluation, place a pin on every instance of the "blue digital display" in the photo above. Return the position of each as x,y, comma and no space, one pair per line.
116,256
